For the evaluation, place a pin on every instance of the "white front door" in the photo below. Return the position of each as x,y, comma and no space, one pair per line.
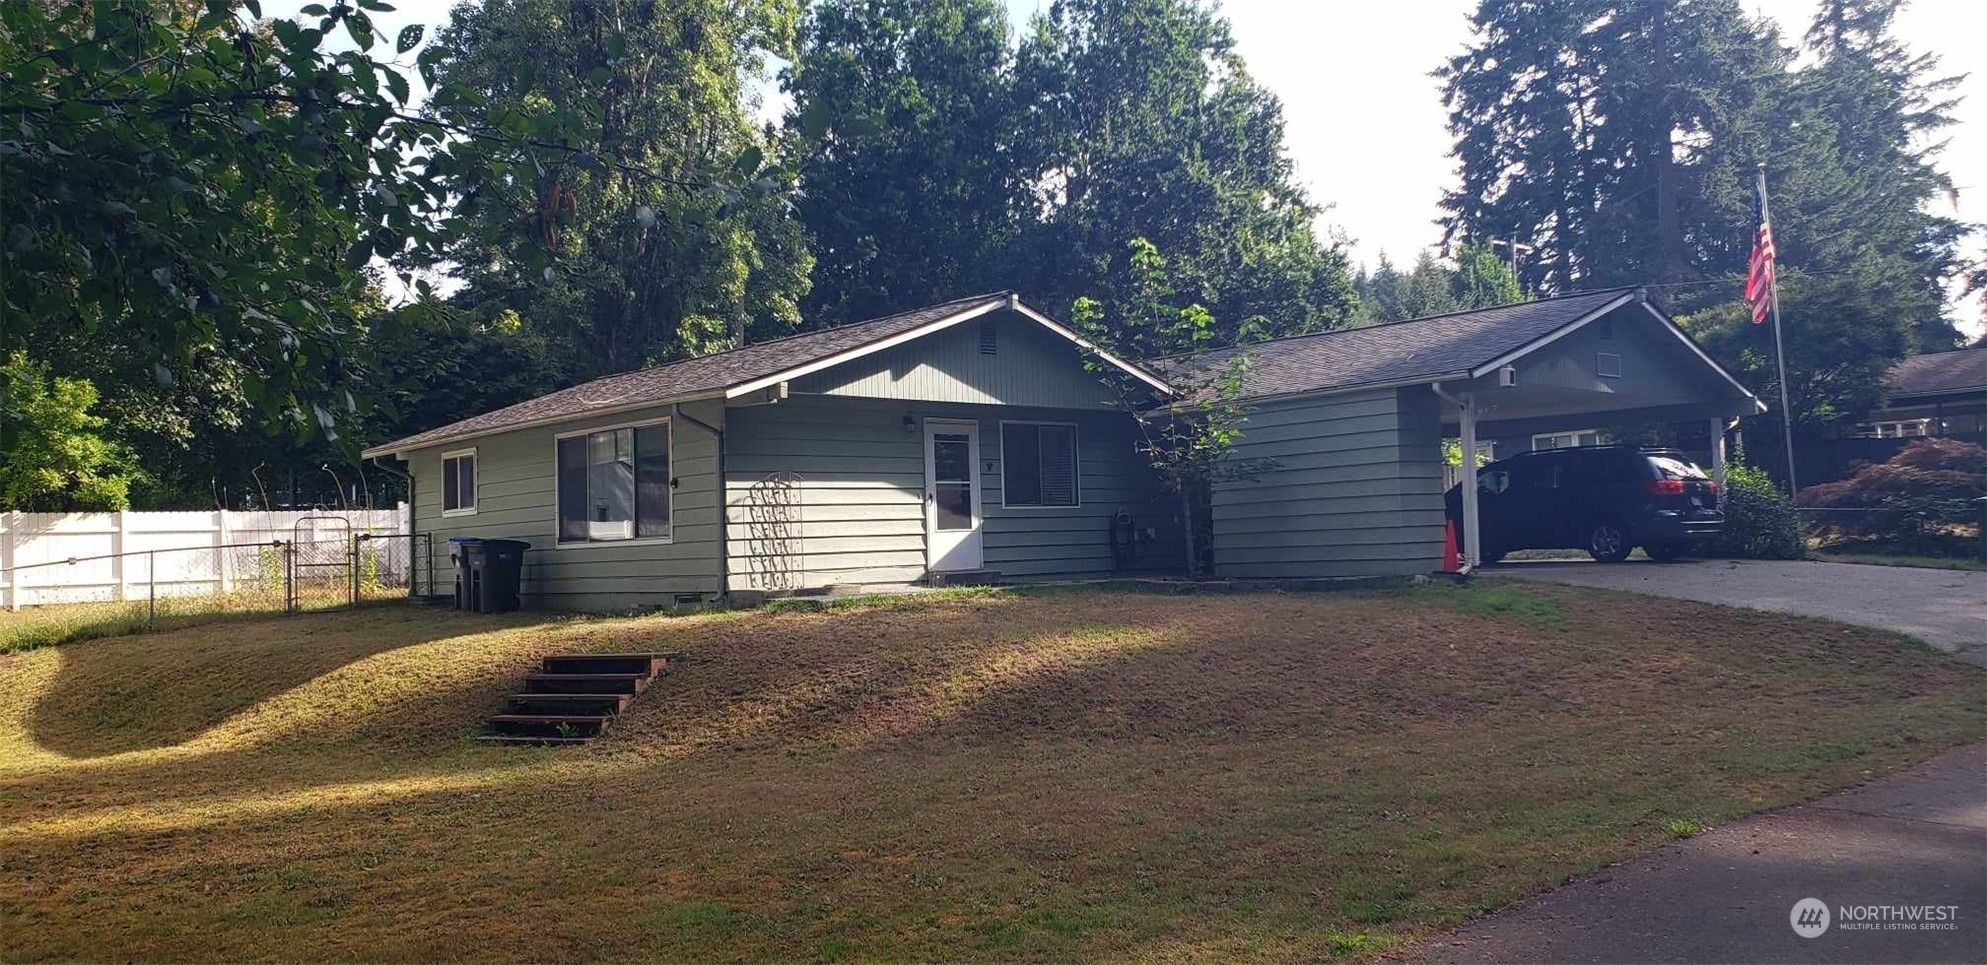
952,495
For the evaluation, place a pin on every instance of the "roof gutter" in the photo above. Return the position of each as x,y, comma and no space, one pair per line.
401,446
724,512
413,583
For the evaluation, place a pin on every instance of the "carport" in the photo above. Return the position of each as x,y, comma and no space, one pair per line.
1621,362
1351,422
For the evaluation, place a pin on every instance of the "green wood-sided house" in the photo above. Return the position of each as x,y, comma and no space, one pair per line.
970,438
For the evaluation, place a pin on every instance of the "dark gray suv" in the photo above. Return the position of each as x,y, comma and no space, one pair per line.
1603,499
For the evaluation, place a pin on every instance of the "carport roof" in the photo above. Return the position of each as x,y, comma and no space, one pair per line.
1430,349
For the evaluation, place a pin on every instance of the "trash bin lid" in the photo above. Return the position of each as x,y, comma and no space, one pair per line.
465,540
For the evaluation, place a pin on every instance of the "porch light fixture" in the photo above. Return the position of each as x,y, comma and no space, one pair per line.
910,424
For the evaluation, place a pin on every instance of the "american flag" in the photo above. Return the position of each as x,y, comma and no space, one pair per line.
1759,273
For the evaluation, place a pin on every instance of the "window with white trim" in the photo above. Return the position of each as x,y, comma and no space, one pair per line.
459,483
613,484
1038,464
1567,440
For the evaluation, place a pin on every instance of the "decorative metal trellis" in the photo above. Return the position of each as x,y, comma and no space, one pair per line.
773,533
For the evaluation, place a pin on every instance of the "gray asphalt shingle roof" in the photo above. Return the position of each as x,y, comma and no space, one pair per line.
1398,352
1940,373
675,381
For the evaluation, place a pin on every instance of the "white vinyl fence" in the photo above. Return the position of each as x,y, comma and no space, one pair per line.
133,555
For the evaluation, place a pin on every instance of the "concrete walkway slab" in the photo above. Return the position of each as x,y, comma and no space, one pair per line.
1918,839
1945,608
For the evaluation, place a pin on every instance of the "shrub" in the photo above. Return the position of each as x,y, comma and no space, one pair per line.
1760,521
1920,499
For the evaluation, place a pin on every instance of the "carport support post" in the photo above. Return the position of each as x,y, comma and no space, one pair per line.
1472,549
1718,457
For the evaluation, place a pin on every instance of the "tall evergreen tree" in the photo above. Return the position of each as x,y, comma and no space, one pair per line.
630,262
1429,288
909,192
1621,137
1141,121
1478,280
1864,257
1592,128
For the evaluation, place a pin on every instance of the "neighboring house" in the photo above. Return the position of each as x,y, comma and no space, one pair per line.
970,438
1937,394
1940,394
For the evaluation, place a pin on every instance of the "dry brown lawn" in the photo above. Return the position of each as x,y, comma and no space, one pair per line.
1044,776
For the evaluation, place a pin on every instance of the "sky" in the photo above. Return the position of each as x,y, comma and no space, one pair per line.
1364,119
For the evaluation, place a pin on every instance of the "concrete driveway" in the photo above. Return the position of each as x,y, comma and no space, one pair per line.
1945,608
1918,839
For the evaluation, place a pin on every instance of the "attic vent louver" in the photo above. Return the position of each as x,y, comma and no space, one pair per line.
989,338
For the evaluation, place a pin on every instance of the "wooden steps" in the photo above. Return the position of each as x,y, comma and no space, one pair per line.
574,697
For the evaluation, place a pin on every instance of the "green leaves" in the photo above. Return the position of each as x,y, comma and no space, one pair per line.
360,28
410,38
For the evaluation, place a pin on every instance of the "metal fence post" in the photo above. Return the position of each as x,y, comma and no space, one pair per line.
1980,506
352,567
151,589
289,576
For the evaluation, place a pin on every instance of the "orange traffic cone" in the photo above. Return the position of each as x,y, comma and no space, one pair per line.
1452,558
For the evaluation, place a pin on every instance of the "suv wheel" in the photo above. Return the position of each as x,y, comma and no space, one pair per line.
1608,542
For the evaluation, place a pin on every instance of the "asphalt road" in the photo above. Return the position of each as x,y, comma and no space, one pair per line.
1917,839
1945,608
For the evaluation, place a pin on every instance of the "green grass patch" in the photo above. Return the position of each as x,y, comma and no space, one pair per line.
1502,601
974,775
1680,828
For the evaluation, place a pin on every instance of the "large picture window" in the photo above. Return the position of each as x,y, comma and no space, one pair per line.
614,484
1038,464
459,483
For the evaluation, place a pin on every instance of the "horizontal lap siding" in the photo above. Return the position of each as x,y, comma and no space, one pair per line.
856,465
516,499
1356,490
862,489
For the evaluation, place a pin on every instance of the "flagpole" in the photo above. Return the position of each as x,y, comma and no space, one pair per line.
1779,350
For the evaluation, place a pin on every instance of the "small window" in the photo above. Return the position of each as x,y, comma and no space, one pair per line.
1566,440
989,337
459,483
1607,365
1038,464
614,484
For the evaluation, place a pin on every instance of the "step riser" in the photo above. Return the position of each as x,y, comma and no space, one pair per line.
604,665
513,728
575,698
561,704
585,685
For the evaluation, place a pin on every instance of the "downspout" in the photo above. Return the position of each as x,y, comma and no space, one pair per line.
413,584
724,512
1466,478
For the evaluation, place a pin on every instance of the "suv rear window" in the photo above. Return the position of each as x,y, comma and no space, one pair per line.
1670,467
